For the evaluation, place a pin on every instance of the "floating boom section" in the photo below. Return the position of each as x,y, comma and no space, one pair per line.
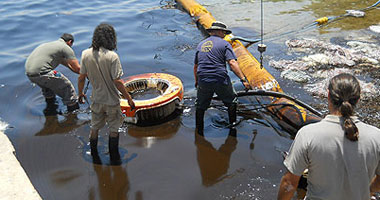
258,77
287,113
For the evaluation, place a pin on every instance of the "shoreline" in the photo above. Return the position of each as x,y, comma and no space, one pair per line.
15,184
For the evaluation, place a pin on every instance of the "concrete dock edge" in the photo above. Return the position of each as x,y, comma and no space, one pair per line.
14,183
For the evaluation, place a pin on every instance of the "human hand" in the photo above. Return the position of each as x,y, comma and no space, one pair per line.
81,98
246,86
131,104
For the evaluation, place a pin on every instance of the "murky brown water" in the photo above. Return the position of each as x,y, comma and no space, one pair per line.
165,161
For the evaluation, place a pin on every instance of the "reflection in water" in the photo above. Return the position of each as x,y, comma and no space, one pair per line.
53,125
103,157
148,135
214,163
113,182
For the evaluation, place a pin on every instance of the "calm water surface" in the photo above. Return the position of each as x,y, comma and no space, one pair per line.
159,162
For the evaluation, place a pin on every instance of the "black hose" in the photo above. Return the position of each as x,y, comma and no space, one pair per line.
245,39
279,95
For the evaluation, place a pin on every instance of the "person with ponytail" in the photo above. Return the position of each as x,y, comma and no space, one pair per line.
341,153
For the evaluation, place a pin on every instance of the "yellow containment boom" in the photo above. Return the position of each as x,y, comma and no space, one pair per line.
290,115
258,77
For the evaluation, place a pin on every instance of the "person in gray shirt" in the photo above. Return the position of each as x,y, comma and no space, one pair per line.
40,69
341,153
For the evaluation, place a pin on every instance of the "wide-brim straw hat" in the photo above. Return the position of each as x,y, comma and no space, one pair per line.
219,26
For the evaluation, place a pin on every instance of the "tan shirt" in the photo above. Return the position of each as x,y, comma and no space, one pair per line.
102,67
338,168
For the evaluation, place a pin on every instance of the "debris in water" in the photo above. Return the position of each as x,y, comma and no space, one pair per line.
355,13
295,75
375,28
323,60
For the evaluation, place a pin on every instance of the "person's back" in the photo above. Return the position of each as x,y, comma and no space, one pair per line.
39,68
47,57
103,66
339,168
341,153
211,76
212,55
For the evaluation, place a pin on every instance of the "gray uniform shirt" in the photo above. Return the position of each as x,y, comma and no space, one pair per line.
102,67
338,168
48,56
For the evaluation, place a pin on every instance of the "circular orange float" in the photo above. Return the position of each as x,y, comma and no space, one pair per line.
156,96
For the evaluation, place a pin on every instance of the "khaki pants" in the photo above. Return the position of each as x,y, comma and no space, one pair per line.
102,114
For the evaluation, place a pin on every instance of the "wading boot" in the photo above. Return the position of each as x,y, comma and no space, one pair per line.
50,101
232,114
113,145
232,132
94,151
73,107
94,146
51,107
199,124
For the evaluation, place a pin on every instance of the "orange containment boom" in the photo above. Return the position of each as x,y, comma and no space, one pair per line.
156,96
290,117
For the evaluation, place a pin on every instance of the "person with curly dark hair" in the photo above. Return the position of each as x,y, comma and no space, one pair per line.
341,153
101,65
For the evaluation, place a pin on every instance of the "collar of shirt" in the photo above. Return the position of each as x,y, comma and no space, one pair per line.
337,119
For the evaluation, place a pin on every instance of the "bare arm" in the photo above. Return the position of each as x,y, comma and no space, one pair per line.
73,65
375,184
195,74
235,68
288,186
81,81
120,86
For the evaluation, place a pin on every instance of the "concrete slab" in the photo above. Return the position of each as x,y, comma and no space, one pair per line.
14,183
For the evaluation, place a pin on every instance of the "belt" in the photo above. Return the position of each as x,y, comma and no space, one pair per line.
39,74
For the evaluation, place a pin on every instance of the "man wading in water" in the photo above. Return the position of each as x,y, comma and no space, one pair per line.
211,76
101,64
39,68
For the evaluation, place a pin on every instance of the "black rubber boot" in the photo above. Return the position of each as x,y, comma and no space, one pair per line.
232,132
199,123
94,151
113,145
51,107
94,146
73,107
232,114
50,101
